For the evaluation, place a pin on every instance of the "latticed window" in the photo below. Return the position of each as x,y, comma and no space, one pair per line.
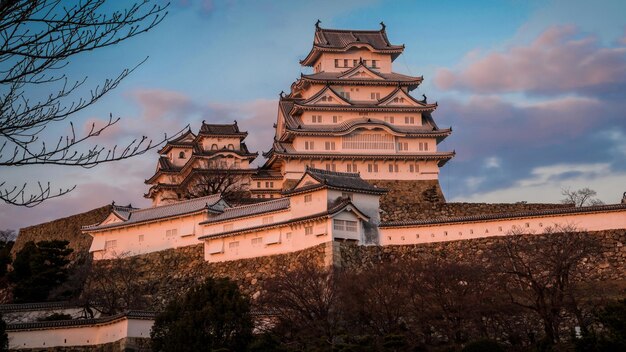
256,242
345,225
368,141
108,245
308,230
171,233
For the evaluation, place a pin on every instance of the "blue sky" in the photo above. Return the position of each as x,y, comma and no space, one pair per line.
534,90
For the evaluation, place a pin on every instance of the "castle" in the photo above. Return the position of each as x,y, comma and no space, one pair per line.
341,132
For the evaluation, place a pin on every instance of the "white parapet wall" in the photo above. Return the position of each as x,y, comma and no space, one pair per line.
82,332
595,218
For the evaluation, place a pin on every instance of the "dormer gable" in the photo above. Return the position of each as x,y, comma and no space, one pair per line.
361,72
327,96
401,98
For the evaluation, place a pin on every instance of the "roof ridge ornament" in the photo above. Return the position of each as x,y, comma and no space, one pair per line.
317,24
282,94
382,26
425,100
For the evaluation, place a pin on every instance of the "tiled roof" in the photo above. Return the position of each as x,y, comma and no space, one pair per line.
425,130
143,315
221,129
542,212
22,307
339,180
262,174
391,78
163,211
249,210
333,209
342,40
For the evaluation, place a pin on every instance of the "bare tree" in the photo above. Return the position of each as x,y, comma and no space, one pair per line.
580,198
539,271
218,177
113,286
38,39
306,302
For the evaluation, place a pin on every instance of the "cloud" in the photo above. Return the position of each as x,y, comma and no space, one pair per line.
559,60
545,185
493,162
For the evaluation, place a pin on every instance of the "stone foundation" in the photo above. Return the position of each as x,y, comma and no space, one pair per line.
167,274
68,228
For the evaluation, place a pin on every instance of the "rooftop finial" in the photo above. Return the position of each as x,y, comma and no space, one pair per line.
425,99
382,26
282,94
317,24
235,122
203,122
113,203
360,60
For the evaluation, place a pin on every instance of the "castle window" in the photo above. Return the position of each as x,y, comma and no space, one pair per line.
288,236
389,119
331,167
258,184
214,147
409,120
351,168
374,64
171,233
308,230
344,225
308,198
329,145
181,155
372,168
108,245
316,118
364,62
368,141
346,95
414,168
375,96
403,146
231,147
355,62
234,247
423,146
337,119
336,62
308,145
345,62
257,242
393,167
140,238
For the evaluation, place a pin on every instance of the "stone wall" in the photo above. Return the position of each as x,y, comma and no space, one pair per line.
68,228
607,269
167,274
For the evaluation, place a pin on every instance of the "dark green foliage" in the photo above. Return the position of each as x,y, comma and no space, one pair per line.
56,317
483,346
613,335
213,316
38,268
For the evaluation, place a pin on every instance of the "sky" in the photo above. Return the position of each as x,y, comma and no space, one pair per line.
534,91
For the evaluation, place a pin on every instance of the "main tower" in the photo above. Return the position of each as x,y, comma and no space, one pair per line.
355,114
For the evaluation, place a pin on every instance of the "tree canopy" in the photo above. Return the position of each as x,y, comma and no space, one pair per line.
211,316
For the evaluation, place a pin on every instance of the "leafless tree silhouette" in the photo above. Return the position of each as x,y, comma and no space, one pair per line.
38,40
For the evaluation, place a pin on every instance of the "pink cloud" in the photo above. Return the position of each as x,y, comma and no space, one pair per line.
559,60
557,121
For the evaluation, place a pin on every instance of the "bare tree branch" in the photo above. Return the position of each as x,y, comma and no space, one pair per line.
38,39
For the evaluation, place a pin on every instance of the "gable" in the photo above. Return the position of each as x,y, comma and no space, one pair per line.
327,97
111,219
399,98
362,73
306,180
